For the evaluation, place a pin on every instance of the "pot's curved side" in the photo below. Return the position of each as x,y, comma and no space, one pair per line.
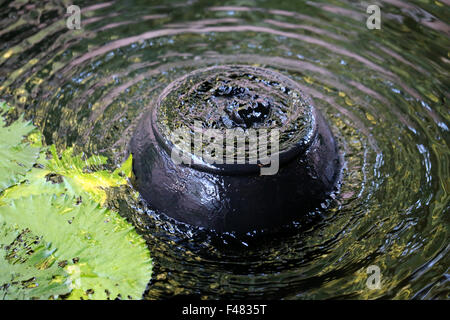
238,203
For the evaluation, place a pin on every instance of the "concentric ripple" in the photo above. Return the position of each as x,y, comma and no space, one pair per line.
384,93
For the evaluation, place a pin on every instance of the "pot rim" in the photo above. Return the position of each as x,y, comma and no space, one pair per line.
283,156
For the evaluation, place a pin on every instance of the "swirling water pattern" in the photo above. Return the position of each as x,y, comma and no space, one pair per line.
384,93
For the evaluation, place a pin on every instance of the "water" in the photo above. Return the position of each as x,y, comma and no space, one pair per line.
384,92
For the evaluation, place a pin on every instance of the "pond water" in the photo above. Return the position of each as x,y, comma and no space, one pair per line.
384,93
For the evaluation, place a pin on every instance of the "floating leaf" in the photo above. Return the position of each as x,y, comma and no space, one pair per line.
73,175
28,269
16,156
35,139
55,239
79,174
4,107
36,181
126,167
102,253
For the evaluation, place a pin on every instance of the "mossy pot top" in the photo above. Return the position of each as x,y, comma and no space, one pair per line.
229,98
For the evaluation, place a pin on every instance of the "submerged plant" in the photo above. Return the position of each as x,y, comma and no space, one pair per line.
56,239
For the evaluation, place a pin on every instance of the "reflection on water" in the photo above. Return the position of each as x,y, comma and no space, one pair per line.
384,92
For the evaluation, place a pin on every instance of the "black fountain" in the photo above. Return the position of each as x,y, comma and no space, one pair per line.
285,165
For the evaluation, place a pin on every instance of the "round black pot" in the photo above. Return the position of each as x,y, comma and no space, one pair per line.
231,196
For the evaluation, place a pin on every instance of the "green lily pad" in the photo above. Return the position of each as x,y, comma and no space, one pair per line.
79,173
56,241
28,270
17,157
101,252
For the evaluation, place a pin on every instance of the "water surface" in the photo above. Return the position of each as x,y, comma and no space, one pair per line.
384,92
